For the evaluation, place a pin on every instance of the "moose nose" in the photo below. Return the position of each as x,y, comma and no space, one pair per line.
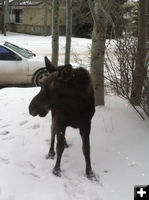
32,111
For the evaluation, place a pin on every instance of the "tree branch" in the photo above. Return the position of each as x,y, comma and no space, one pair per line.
91,6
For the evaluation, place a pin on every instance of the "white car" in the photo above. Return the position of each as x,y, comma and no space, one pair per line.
20,66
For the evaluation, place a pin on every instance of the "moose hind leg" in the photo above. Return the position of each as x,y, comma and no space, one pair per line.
85,132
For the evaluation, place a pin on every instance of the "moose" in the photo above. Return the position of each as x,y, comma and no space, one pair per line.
68,93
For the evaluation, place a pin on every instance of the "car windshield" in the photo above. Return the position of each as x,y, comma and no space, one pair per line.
23,52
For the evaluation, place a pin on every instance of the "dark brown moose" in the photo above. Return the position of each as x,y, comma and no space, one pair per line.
69,94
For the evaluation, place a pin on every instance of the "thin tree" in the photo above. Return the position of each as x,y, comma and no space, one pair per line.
140,69
55,31
68,30
45,17
97,8
2,17
5,16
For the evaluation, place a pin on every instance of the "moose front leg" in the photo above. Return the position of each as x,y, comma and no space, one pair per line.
85,132
59,150
51,153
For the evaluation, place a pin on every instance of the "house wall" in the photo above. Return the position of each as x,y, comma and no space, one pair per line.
33,21
35,16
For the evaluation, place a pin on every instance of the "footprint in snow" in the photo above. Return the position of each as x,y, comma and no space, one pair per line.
35,126
31,174
31,165
4,126
8,138
4,160
106,171
23,123
4,133
76,189
27,165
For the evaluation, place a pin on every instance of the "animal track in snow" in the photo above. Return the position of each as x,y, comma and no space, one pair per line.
23,122
4,126
8,138
4,133
106,171
4,160
27,164
35,126
31,174
76,190
31,165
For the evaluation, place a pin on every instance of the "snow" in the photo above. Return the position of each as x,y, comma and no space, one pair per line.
119,146
42,45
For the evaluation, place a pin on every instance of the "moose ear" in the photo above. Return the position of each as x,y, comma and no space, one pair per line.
49,66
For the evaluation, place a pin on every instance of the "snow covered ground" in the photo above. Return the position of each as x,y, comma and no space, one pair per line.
119,147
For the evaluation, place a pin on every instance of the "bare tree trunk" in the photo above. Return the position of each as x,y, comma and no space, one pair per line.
98,48
97,64
140,69
45,17
5,16
147,19
68,30
55,32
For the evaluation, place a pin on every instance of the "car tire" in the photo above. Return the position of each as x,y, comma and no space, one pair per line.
39,77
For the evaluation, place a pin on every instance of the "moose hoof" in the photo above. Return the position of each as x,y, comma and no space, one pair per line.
57,172
50,155
91,176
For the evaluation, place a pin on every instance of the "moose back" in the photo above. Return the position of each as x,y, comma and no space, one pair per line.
69,94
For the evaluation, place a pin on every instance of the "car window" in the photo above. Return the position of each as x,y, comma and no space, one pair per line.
6,54
23,52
